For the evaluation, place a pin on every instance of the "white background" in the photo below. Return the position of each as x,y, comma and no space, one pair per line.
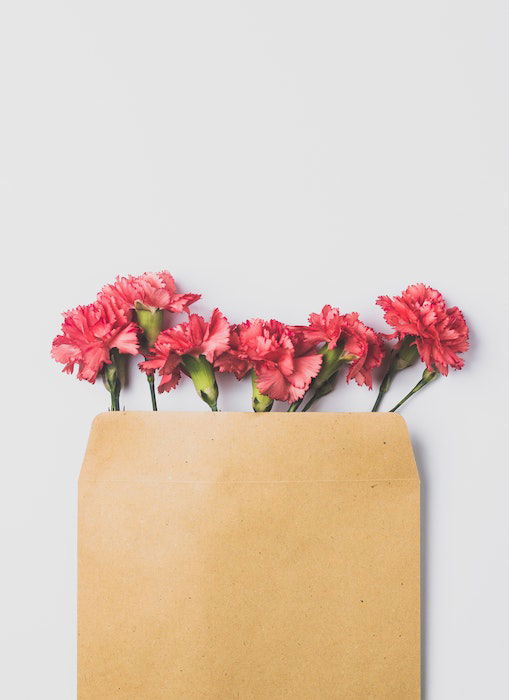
275,156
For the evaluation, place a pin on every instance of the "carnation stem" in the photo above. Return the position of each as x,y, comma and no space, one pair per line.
150,380
385,385
295,405
324,388
406,356
115,398
427,377
310,403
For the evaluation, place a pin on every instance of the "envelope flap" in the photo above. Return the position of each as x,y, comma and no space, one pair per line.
241,447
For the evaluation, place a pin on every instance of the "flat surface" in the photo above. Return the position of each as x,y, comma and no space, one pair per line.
224,567
276,157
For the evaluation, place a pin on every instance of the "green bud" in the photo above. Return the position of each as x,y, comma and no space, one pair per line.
151,323
407,355
202,373
260,402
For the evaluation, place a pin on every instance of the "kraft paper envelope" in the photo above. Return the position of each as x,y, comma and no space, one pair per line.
236,555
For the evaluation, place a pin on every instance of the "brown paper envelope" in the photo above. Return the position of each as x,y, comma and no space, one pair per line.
242,555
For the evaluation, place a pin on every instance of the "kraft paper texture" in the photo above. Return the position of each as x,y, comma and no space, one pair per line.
242,555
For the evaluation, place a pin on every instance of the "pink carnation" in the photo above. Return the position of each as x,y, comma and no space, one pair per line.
235,359
148,291
327,326
440,333
361,345
88,335
195,337
167,362
283,360
366,347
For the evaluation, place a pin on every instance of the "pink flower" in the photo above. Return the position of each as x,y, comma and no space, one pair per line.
195,337
283,360
88,335
439,333
235,359
148,291
327,326
361,346
167,362
364,345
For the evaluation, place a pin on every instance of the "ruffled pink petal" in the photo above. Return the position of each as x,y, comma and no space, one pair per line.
150,365
126,341
169,381
180,303
305,370
227,362
64,352
93,362
271,382
167,282
150,290
216,337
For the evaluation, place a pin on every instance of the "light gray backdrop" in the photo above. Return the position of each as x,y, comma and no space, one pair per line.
275,156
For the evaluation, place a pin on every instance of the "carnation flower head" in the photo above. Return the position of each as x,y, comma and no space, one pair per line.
439,333
283,360
194,338
235,359
165,361
365,348
148,292
345,339
326,326
88,335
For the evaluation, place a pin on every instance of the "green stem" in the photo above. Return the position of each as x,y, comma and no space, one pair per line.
295,405
150,380
427,377
115,400
406,356
385,385
323,388
310,403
